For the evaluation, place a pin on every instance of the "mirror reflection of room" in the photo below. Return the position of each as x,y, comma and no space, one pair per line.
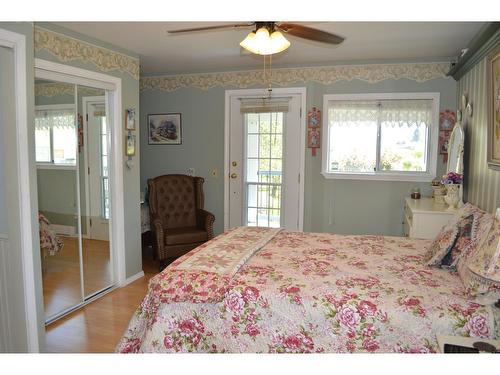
71,141
94,189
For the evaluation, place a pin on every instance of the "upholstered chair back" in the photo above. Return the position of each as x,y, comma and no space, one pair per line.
175,198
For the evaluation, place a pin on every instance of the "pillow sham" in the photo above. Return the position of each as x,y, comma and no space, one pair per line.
446,237
480,228
482,277
442,244
464,235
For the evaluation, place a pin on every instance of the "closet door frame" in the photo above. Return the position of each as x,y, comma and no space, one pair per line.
21,223
112,85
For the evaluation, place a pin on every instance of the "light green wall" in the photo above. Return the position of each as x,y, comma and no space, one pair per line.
130,99
340,206
482,184
57,195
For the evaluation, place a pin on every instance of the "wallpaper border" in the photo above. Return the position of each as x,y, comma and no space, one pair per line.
66,48
371,73
60,88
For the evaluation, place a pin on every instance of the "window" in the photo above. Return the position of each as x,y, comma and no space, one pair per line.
380,136
55,136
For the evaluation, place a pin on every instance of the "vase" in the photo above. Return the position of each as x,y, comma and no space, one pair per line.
452,196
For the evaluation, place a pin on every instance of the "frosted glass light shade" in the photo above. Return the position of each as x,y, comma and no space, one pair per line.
261,43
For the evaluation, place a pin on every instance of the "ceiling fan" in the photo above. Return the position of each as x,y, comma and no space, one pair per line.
267,37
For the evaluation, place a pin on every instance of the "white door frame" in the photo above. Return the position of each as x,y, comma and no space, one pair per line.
230,94
17,42
85,101
55,71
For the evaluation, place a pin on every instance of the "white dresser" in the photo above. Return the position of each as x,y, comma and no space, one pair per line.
423,218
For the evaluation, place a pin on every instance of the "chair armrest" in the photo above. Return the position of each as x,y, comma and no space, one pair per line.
205,220
157,228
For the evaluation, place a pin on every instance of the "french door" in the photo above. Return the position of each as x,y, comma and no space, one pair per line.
266,143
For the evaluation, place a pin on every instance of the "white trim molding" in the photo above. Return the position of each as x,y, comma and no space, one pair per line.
51,70
66,48
432,143
20,161
326,75
133,278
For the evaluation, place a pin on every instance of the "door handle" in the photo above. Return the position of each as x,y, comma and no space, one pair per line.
233,175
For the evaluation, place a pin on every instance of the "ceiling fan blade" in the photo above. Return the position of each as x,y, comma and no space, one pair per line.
309,33
208,28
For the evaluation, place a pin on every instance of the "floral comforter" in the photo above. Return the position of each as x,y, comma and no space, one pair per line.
311,292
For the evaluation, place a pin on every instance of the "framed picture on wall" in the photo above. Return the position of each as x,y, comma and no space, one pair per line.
130,145
493,93
164,129
130,119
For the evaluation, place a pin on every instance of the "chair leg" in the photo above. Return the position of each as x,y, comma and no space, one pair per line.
163,264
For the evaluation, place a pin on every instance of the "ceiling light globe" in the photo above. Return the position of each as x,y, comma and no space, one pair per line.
278,42
250,43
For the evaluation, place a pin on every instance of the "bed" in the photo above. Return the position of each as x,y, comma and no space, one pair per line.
268,290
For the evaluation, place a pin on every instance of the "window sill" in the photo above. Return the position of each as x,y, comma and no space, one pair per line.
410,177
66,167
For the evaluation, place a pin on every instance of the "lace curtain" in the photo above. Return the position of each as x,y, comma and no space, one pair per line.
55,118
388,112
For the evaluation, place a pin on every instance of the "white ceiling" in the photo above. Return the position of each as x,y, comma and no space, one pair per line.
220,50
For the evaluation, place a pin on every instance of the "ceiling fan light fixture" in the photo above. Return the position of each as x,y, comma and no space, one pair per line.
278,42
261,43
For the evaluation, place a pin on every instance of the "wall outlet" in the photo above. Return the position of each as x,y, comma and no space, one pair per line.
215,173
190,171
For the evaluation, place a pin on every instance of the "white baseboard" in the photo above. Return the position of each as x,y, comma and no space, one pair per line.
65,230
131,279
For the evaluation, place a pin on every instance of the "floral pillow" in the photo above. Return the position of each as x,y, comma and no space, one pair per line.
480,228
464,235
482,277
442,244
445,239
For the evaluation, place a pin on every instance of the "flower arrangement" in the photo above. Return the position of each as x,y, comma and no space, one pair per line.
452,178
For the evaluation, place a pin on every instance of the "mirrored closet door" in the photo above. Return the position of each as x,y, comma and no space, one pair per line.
72,147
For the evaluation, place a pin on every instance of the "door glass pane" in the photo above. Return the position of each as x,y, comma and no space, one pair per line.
94,187
264,169
55,108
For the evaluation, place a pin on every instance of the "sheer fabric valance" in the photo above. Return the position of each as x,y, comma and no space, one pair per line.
54,118
387,112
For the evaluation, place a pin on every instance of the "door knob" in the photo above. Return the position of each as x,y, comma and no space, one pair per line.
234,175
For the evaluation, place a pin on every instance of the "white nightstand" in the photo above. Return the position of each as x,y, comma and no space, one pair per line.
423,218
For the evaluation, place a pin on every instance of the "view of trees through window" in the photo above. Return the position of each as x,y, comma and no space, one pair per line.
362,146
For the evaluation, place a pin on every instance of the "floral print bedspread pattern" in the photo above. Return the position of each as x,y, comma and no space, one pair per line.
229,252
315,292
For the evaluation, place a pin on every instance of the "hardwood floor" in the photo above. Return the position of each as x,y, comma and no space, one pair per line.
97,327
61,273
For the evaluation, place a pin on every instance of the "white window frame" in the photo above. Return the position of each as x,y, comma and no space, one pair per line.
51,164
426,176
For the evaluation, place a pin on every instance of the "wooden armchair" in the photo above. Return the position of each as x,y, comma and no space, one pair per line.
178,221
